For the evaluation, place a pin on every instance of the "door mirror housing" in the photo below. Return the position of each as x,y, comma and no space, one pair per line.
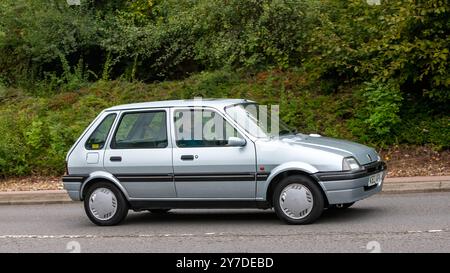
236,141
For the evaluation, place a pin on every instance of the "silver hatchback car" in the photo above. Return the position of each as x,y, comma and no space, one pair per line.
213,153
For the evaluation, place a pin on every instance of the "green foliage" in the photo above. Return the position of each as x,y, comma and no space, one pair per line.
13,158
107,67
382,104
404,41
376,113
423,129
416,48
38,131
374,73
210,85
252,34
38,33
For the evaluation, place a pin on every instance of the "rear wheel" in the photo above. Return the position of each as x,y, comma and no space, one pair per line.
298,200
105,204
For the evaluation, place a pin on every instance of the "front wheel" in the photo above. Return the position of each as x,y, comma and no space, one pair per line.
105,204
298,200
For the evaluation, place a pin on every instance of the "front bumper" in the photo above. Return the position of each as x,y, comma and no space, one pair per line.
347,186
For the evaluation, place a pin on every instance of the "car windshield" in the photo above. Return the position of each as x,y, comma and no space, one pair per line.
257,121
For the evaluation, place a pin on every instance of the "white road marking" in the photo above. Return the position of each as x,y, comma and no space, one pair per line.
89,236
429,231
46,236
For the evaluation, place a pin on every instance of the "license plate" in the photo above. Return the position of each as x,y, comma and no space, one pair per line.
375,179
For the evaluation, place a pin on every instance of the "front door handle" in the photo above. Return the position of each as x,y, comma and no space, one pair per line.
187,157
115,158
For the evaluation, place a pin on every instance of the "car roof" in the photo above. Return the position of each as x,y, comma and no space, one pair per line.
215,103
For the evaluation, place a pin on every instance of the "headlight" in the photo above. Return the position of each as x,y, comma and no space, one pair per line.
350,164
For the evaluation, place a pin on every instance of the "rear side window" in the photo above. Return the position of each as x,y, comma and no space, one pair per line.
141,130
98,138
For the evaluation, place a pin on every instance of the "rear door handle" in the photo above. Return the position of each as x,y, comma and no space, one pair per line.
115,158
187,157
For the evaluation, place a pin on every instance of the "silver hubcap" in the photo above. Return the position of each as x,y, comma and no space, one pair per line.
296,201
103,204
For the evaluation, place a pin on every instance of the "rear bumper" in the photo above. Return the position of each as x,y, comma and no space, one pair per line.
348,187
72,184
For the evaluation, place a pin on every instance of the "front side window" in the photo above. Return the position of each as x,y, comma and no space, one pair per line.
141,130
202,128
257,120
98,138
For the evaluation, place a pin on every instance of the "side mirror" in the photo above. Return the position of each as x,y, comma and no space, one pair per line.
236,141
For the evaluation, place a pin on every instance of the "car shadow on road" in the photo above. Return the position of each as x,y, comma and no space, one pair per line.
233,216
350,215
204,216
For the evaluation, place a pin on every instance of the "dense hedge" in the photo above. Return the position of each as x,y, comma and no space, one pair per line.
38,131
405,42
374,73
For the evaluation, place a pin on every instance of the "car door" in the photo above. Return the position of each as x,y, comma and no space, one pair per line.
140,154
205,166
89,155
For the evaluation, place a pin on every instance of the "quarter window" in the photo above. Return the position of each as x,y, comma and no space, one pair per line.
202,128
141,130
98,138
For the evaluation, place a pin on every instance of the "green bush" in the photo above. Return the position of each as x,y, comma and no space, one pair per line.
37,132
13,154
253,34
54,46
38,33
374,73
383,103
424,130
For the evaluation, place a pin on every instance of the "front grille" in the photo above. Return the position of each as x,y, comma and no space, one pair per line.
375,167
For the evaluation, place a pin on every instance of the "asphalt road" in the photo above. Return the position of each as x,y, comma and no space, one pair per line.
386,222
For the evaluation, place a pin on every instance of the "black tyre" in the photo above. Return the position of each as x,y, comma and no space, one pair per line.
105,204
159,211
297,199
341,206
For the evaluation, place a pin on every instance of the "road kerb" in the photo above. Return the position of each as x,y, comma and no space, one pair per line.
416,184
34,197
